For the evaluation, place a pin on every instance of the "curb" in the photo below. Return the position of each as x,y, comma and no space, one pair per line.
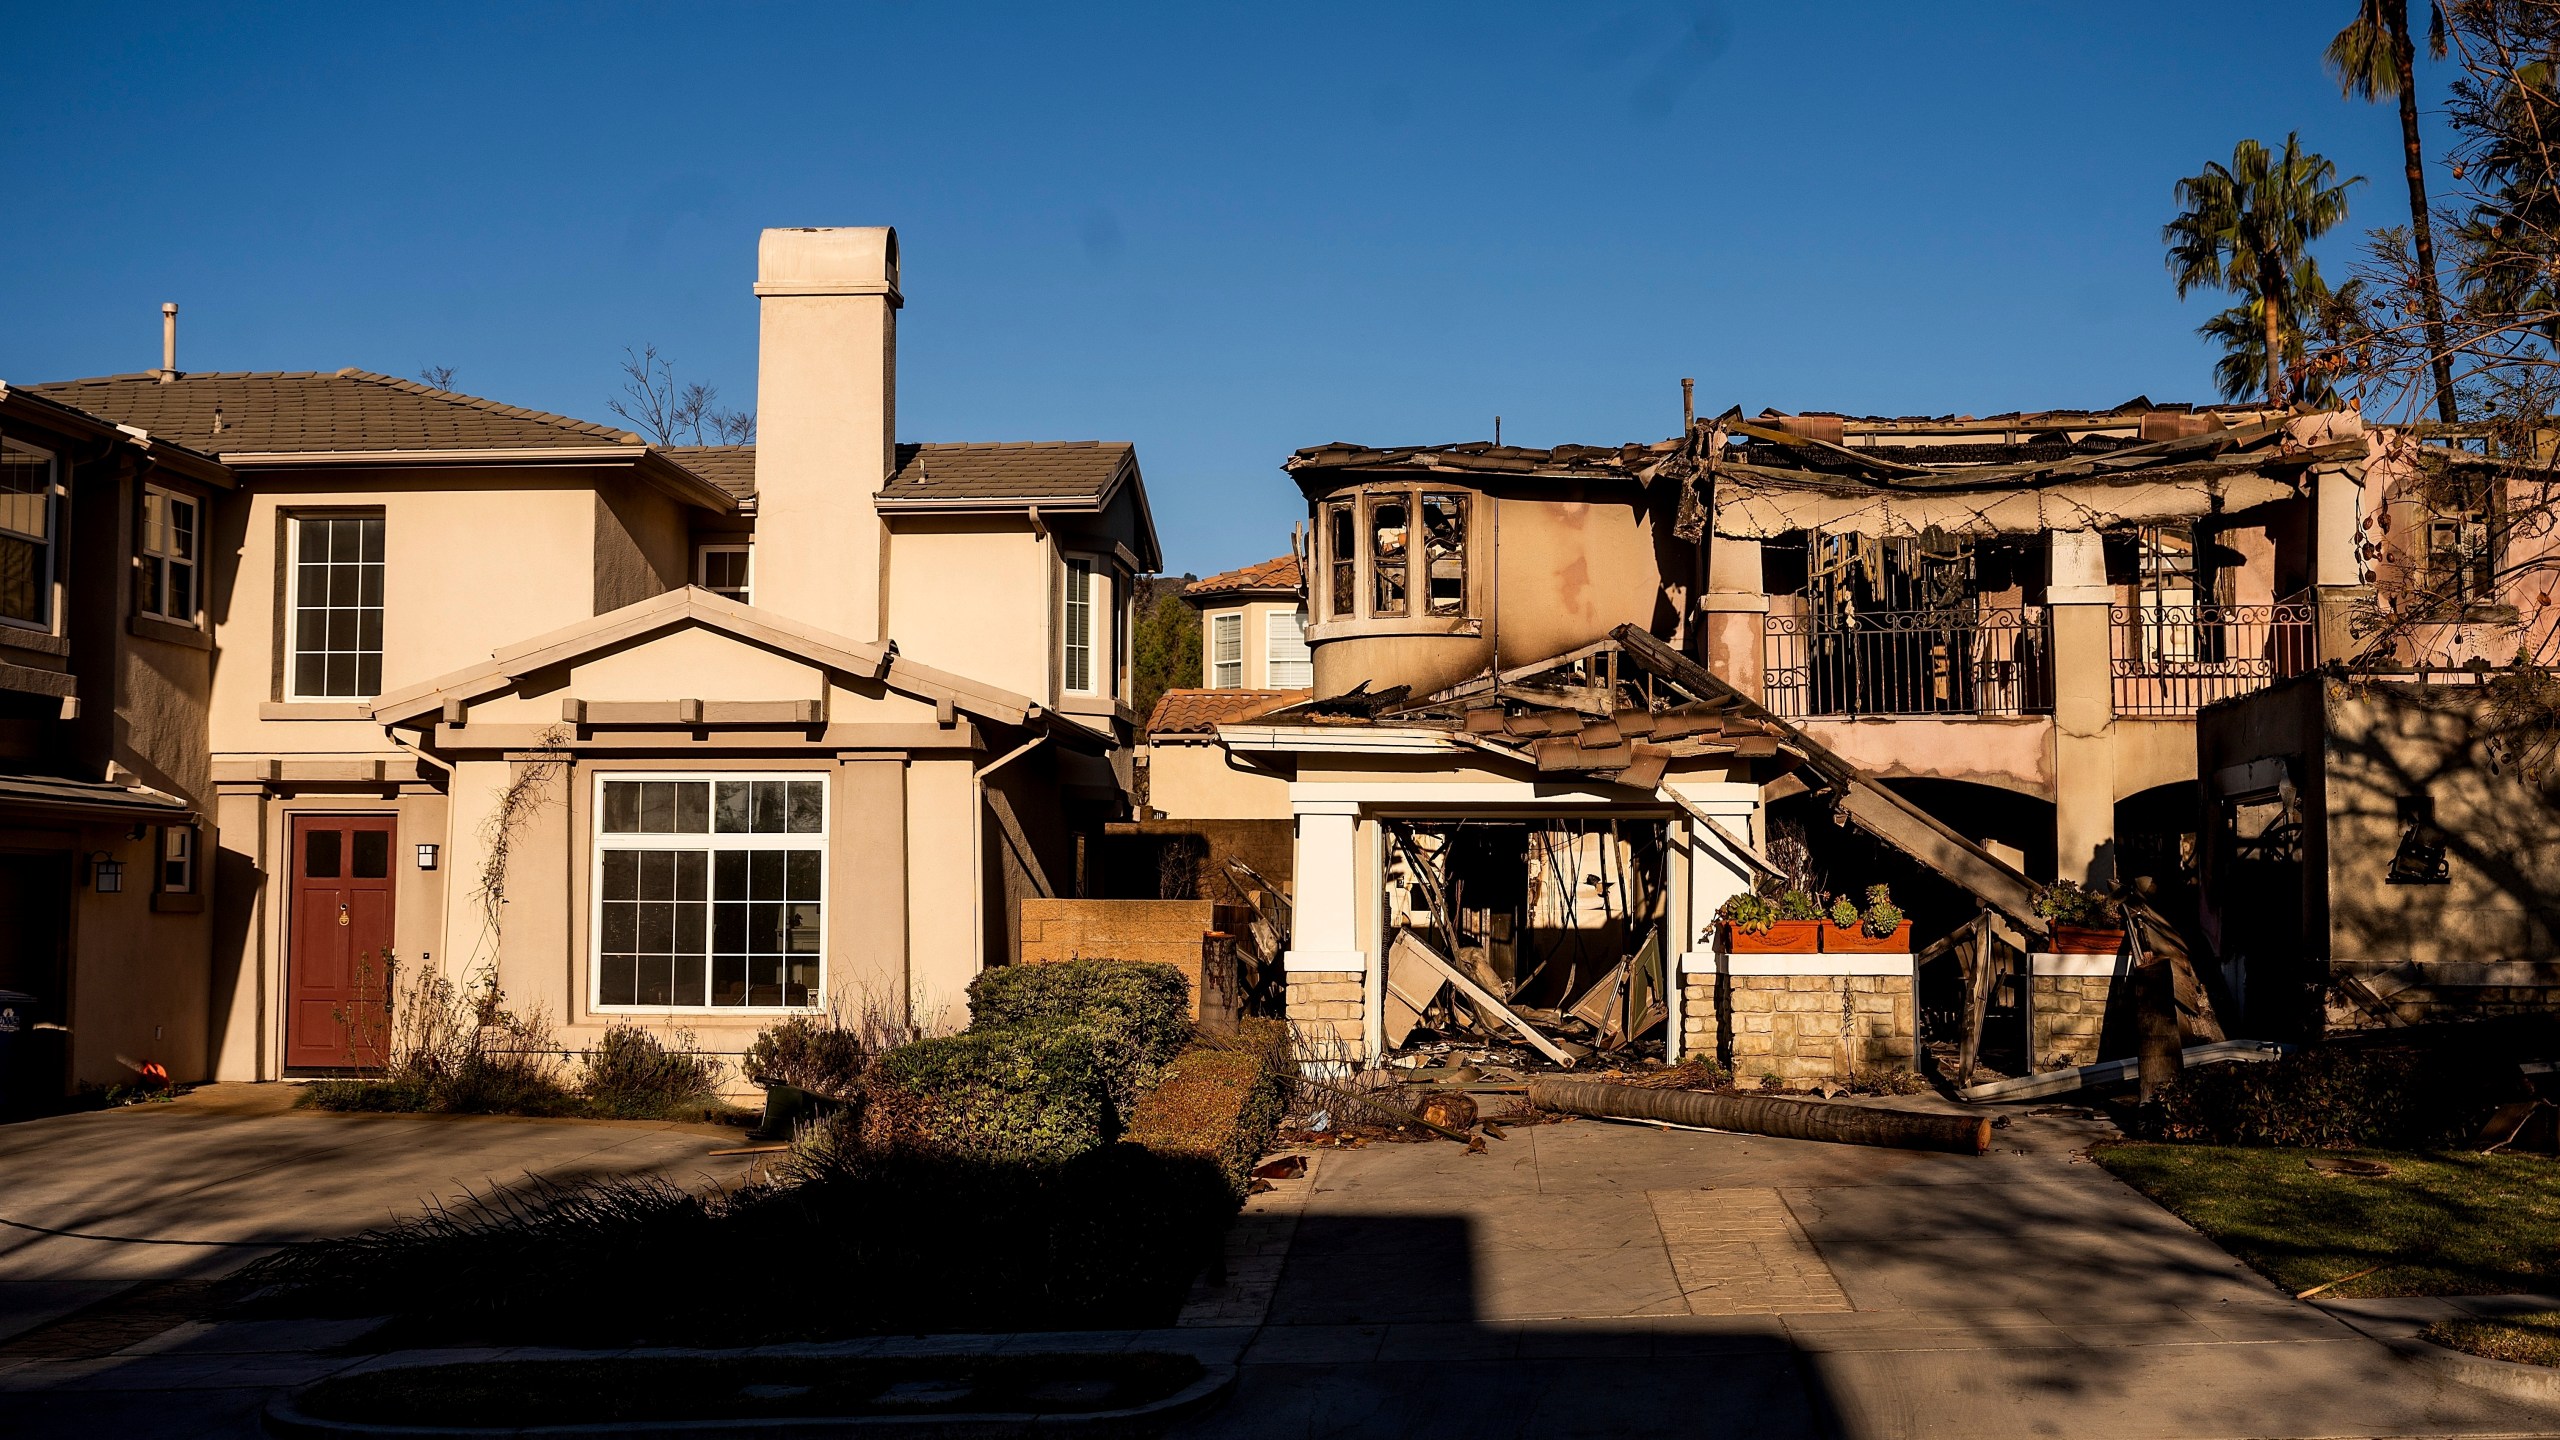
284,1417
2537,1383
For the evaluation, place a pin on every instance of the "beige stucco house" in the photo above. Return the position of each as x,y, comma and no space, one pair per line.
693,737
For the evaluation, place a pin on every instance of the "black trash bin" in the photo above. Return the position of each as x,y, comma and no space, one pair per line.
17,1017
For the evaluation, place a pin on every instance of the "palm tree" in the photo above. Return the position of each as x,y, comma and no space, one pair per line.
2248,227
2241,332
2374,60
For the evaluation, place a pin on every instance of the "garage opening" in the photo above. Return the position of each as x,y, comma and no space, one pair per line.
1495,928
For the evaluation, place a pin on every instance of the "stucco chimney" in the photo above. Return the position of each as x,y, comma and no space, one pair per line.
826,421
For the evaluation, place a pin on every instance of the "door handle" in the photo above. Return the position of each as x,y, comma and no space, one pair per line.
342,914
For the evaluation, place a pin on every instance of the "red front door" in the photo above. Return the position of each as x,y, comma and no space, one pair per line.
338,962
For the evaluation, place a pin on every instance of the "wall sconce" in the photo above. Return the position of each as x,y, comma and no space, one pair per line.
426,857
106,873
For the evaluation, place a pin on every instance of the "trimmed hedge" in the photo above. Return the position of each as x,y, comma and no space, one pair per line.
1032,1094
1139,1012
2336,1097
1220,1101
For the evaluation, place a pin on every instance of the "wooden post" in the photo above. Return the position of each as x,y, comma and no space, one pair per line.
1977,1000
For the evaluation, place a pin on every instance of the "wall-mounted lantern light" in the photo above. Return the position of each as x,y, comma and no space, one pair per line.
426,857
106,873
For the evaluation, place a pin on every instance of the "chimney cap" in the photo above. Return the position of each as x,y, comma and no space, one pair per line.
829,260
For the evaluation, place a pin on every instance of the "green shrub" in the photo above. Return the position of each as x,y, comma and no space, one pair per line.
1023,1093
1138,1012
633,1075
2335,1097
1221,1101
812,1052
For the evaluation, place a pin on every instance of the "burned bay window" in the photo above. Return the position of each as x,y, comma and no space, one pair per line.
1390,532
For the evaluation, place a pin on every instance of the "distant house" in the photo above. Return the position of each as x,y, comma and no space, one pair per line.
1253,628
697,736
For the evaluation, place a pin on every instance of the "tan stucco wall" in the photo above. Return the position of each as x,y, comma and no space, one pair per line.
976,600
471,565
138,983
643,545
1255,630
2011,753
1197,780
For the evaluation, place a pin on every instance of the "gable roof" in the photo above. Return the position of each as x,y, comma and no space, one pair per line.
1273,577
50,416
693,606
1201,712
1075,476
281,417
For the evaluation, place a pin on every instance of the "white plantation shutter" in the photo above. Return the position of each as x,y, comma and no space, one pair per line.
1291,666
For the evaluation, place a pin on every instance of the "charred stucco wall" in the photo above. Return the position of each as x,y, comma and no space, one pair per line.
1550,568
2013,753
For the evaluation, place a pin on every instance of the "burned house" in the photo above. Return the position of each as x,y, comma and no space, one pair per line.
1567,702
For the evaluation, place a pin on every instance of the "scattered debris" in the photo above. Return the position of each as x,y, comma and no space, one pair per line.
1287,1167
1448,1109
2109,1072
2333,1284
2343,1165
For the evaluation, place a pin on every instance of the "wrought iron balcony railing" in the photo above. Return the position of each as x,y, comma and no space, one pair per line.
1909,662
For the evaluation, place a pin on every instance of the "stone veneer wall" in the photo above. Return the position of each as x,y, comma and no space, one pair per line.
1327,1007
2069,1013
1701,1026
1819,1027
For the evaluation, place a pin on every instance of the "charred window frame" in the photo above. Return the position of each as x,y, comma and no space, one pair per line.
1342,559
1391,554
1444,551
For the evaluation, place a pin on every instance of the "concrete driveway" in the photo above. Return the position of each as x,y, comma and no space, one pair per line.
1599,1279
96,1204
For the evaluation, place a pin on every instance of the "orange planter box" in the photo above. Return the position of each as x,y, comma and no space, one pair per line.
2086,940
1783,937
1856,941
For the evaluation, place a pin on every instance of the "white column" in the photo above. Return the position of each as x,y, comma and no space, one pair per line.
1325,923
1715,874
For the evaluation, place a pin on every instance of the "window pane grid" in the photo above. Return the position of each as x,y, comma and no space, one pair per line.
1226,652
711,892
169,526
1291,665
337,629
26,535
1078,660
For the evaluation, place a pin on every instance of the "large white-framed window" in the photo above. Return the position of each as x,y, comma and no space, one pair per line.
172,536
1075,630
710,891
335,628
726,570
1226,651
1287,663
29,518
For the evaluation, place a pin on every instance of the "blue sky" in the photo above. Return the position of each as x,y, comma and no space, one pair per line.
1220,232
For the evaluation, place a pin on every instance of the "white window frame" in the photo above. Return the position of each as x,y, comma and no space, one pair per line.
162,561
702,567
292,636
50,540
713,843
177,846
1076,594
1272,659
1231,622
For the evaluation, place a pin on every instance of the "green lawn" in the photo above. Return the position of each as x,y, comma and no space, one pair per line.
2439,1224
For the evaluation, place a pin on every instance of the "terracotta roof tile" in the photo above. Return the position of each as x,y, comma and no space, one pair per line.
1275,576
282,412
1198,712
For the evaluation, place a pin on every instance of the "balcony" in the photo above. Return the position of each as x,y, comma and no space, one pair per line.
1954,664
2172,660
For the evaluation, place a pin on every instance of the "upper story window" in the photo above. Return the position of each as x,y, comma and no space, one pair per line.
1288,665
710,891
1076,633
172,531
178,860
336,621
1226,651
1395,553
27,523
725,570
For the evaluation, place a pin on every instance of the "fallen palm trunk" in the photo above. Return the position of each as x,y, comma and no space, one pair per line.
1765,1115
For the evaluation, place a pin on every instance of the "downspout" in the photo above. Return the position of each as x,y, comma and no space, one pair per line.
978,840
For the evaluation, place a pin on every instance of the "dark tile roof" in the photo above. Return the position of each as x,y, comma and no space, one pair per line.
731,467
1010,470
1033,470
1201,712
1272,576
307,411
